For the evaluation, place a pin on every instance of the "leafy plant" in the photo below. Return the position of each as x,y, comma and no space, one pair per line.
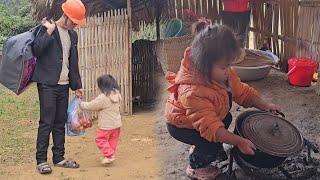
15,18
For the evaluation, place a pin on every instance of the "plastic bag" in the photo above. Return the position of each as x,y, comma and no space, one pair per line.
78,120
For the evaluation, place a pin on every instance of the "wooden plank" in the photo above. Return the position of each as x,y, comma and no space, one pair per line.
201,12
87,37
171,5
97,55
120,53
93,57
188,4
119,63
215,10
301,34
129,85
125,59
288,31
181,9
97,36
207,8
282,26
115,45
178,7
192,6
276,29
103,52
198,4
122,43
101,41
309,3
82,58
113,40
108,50
89,58
210,10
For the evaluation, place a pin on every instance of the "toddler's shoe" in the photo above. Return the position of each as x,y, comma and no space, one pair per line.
191,149
107,160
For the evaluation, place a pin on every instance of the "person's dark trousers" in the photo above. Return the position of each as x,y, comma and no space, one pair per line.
239,23
205,151
53,116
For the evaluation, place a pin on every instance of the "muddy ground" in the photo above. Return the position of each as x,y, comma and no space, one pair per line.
300,105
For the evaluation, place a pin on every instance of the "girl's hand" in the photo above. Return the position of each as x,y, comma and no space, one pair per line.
79,93
246,146
273,108
264,106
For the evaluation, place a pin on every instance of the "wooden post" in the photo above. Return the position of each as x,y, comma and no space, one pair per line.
158,13
130,55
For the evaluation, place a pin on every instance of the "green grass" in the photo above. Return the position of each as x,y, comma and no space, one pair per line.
18,125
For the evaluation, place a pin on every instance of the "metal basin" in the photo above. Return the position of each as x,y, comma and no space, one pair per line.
252,73
256,72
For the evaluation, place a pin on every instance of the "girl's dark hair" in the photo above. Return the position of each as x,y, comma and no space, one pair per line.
107,84
215,43
197,27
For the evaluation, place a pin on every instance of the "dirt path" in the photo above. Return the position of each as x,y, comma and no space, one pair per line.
136,157
301,106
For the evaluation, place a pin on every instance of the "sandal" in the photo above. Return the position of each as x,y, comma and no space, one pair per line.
191,149
44,168
68,164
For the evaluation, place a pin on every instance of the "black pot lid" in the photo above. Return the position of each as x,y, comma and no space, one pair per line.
272,134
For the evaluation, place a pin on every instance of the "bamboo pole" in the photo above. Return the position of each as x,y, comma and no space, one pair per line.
130,57
158,14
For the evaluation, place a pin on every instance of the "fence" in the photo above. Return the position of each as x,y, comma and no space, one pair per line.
104,47
277,22
291,26
206,8
308,39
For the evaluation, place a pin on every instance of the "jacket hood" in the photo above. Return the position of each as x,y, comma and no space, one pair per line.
115,96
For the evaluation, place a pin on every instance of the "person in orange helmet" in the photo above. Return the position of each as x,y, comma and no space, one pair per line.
56,71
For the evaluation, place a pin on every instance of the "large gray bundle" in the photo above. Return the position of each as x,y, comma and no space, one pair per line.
18,62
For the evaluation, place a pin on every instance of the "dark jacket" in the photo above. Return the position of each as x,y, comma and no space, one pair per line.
48,50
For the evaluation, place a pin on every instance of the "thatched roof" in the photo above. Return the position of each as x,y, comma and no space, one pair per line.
145,10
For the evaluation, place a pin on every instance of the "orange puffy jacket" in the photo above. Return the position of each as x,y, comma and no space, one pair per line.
195,104
236,5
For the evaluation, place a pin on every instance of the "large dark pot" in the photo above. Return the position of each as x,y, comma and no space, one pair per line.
260,159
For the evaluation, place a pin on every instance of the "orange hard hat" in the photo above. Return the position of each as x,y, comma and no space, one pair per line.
75,11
